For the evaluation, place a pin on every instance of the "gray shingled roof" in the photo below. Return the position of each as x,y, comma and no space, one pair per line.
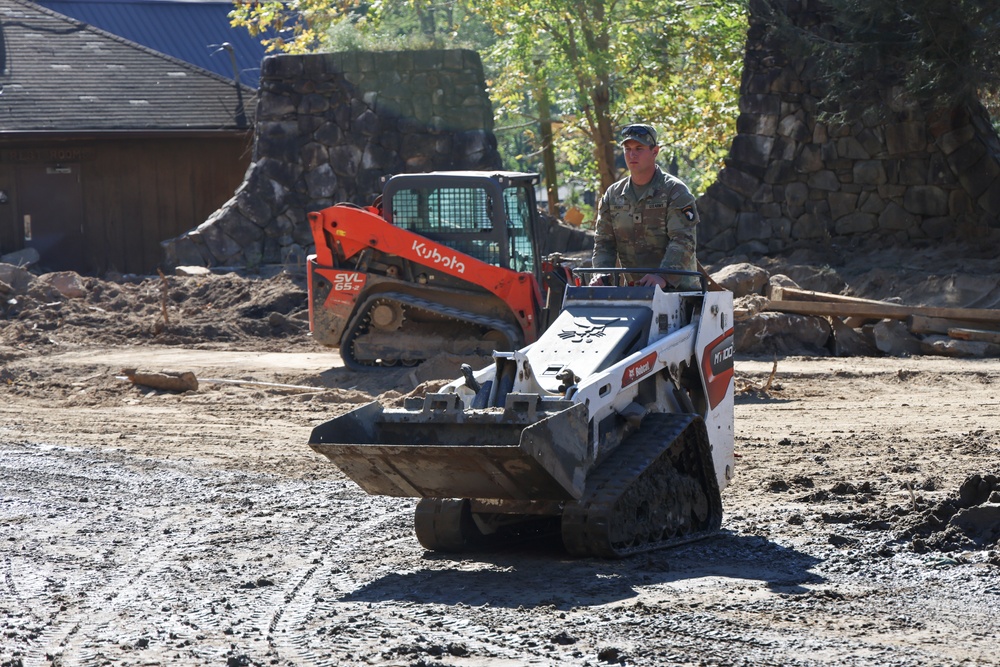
62,75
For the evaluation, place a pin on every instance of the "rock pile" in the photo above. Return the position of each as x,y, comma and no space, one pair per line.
972,519
775,316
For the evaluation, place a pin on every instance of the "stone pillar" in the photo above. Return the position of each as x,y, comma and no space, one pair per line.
791,179
329,126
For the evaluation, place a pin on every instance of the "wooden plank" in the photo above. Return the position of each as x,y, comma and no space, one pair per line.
779,293
974,334
882,311
921,324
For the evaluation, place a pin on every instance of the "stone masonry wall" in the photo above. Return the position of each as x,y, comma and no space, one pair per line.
329,126
790,178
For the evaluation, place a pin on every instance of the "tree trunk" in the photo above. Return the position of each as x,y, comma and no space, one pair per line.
548,151
605,147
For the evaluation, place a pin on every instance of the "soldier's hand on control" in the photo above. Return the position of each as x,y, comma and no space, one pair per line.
598,279
650,279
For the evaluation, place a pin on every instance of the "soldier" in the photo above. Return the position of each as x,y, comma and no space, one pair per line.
647,219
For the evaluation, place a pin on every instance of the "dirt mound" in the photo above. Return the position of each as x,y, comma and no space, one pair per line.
249,312
968,521
171,310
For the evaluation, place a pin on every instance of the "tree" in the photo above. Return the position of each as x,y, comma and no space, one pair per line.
304,26
602,63
609,62
298,26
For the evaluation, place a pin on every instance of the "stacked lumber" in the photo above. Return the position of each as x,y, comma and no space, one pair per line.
976,325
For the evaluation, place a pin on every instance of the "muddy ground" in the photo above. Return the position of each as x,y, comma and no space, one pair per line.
145,527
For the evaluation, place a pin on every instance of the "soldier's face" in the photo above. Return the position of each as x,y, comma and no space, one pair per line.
639,157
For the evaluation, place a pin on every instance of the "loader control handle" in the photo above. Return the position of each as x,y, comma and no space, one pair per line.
702,278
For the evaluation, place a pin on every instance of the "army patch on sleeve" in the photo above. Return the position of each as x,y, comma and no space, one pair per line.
688,212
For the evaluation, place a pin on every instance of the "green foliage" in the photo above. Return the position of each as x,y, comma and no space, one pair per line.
672,64
602,63
304,26
696,107
297,24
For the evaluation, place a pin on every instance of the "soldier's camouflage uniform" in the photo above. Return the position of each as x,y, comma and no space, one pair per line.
659,230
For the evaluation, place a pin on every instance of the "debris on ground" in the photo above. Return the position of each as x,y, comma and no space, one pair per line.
164,381
822,301
969,520
761,389
63,308
814,301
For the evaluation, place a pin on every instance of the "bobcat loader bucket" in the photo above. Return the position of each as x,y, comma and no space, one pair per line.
440,451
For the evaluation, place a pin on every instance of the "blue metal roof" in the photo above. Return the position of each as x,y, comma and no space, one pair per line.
61,76
190,30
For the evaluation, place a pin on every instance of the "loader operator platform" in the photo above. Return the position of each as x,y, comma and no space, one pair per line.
648,218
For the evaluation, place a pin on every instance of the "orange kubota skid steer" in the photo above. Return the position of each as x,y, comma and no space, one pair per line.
444,262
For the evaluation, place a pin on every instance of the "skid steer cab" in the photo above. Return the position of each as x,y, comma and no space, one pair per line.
613,430
444,262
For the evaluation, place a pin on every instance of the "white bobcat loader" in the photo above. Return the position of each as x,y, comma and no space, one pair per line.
614,428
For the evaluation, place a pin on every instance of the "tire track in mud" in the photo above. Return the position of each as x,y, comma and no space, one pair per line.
269,605
25,478
100,579
121,557
353,605
314,592
372,597
155,513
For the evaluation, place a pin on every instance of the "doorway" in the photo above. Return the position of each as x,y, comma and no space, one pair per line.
10,227
50,207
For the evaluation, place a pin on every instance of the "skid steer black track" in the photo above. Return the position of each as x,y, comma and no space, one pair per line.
359,325
658,489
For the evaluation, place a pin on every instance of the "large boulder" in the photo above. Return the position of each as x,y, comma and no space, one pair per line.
894,339
68,284
742,279
17,278
770,333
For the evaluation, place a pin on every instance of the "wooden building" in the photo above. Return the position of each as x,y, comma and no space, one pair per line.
108,147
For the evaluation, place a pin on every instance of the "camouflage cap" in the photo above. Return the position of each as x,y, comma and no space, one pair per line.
644,134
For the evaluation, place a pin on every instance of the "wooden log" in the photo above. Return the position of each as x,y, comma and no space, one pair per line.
975,334
779,293
165,381
883,311
921,324
795,294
